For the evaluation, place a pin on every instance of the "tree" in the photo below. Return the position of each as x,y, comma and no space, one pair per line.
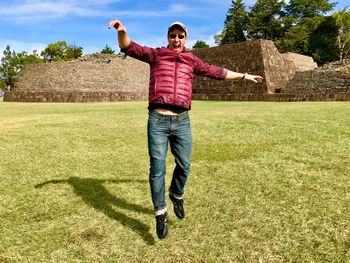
12,63
73,52
299,26
55,51
314,37
307,31
296,39
200,44
234,24
2,85
308,8
25,59
342,19
107,50
61,51
9,67
265,19
322,41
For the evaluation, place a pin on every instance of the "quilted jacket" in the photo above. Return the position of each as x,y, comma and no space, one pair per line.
172,74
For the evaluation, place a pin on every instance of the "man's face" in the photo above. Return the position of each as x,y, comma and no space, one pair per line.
177,39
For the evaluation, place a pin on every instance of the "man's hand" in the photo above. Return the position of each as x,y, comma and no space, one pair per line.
231,75
254,78
117,25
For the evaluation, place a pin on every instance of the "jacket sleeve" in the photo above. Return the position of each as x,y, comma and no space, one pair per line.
143,53
211,71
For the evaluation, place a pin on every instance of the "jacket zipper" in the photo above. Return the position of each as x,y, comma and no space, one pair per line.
175,80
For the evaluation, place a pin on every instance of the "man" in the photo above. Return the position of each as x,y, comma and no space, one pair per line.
170,92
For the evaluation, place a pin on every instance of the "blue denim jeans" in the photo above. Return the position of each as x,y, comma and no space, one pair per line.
164,130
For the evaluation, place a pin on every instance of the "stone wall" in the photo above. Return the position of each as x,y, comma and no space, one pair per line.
287,77
331,80
278,97
90,78
259,57
236,58
74,96
301,62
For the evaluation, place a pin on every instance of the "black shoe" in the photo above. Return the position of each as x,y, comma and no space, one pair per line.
178,207
162,226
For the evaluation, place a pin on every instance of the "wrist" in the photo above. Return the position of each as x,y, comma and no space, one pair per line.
244,75
122,30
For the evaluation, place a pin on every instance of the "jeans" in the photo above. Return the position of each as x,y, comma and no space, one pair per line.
163,130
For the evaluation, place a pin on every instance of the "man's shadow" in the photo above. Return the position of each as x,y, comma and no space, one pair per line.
94,194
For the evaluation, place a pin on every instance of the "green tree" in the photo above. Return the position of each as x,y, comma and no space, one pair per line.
107,50
299,26
61,51
296,39
308,8
9,68
322,41
342,19
2,85
26,59
200,44
234,24
12,63
73,52
314,37
306,31
55,51
265,19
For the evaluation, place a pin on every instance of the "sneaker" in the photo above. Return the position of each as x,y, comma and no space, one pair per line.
178,207
162,226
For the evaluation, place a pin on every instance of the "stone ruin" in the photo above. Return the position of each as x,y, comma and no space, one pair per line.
98,77
329,82
287,77
91,78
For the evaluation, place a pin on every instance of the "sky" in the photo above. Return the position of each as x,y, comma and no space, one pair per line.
28,25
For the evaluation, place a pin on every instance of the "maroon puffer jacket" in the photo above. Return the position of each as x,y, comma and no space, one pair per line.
171,74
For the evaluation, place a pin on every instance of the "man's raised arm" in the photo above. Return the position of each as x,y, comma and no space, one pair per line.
123,39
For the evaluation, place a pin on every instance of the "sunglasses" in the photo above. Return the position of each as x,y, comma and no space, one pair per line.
173,36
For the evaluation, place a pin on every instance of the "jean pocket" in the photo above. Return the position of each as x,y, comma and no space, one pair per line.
154,119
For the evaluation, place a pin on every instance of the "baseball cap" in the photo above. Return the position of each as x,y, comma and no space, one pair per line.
179,24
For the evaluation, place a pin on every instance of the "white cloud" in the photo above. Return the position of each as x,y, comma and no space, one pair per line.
41,10
178,8
46,9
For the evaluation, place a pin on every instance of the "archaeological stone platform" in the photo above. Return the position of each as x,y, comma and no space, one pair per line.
91,78
287,76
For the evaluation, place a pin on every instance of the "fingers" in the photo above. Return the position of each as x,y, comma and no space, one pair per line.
114,23
256,79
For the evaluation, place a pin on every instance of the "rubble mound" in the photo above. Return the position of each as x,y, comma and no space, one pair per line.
341,65
95,77
331,80
99,58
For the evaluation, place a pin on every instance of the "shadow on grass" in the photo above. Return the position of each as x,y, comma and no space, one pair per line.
94,194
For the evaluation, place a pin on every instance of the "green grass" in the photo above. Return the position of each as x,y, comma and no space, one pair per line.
270,182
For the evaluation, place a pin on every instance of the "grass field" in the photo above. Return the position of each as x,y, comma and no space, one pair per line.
270,182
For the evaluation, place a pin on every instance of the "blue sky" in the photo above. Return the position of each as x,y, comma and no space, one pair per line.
28,25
